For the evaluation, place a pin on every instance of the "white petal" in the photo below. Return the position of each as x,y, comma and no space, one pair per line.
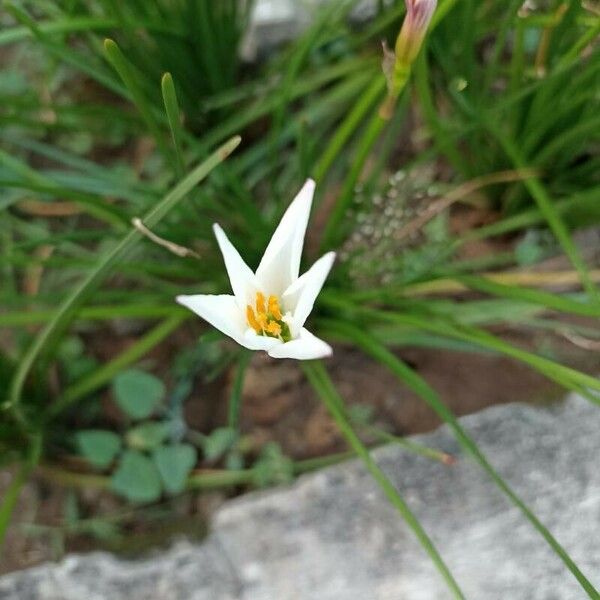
305,347
300,297
222,312
253,341
243,281
280,263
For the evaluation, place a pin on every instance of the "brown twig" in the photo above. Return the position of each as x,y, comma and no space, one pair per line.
541,56
580,341
467,188
170,246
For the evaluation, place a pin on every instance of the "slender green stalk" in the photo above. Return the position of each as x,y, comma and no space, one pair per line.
16,34
36,181
332,229
13,492
542,298
68,309
127,75
419,386
93,313
64,52
235,399
412,446
220,479
319,379
174,119
199,480
546,206
72,479
564,376
441,138
574,52
348,127
107,372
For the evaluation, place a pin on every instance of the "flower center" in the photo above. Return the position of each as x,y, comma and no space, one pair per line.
266,318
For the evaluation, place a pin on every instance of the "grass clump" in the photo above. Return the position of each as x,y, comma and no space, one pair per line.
113,112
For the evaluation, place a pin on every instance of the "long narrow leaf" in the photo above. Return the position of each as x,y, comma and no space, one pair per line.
68,309
420,386
126,73
173,118
319,379
104,374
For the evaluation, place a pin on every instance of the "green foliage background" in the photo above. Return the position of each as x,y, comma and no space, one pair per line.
502,99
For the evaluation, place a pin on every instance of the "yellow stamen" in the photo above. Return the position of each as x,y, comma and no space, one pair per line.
263,320
252,321
260,303
274,309
273,328
266,318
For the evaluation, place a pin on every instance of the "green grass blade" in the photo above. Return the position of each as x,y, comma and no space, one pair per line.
542,298
319,379
367,141
348,127
16,34
64,53
564,376
92,313
235,398
546,206
107,371
37,182
573,54
13,492
422,388
173,118
68,309
121,65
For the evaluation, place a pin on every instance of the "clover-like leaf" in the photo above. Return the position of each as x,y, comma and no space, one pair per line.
136,478
137,393
174,464
99,447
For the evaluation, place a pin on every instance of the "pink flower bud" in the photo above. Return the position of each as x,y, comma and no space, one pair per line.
414,28
397,65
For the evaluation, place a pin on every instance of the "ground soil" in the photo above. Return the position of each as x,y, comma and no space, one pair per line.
278,405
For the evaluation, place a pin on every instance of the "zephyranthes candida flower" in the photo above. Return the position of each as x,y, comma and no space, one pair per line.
268,308
397,64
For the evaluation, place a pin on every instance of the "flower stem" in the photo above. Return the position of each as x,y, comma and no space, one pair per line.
20,479
319,379
235,400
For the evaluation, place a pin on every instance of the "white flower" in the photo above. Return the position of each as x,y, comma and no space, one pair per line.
268,308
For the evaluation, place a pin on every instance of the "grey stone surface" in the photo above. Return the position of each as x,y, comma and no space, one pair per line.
189,572
276,21
333,536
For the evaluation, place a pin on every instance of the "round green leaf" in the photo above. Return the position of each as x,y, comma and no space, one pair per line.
218,442
137,393
98,447
147,435
136,478
174,464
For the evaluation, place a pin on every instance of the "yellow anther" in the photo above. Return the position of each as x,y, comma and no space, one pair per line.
252,321
273,328
266,319
263,320
274,309
260,303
